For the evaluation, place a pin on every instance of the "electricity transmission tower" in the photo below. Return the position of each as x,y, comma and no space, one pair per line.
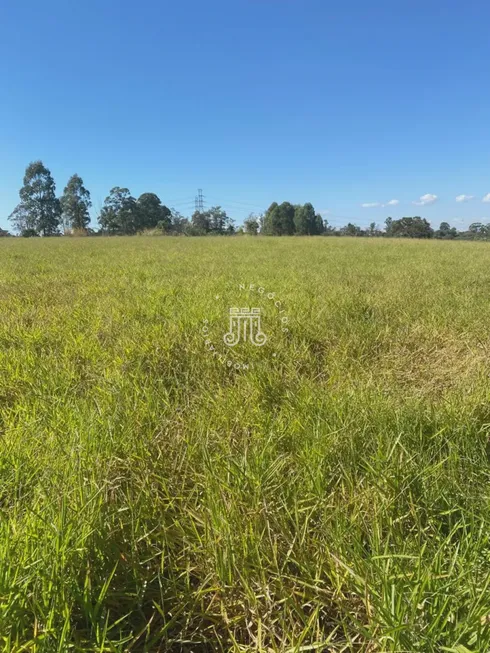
199,201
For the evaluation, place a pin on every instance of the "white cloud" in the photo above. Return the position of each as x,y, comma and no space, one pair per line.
393,203
370,205
486,198
428,198
464,198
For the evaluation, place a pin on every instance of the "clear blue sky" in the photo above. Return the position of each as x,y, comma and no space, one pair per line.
336,102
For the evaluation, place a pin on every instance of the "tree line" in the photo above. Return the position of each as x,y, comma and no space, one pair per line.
41,213
414,227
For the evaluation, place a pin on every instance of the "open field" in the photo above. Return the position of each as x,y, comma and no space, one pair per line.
333,496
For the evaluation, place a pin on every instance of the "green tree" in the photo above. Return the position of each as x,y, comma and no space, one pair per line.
389,226
478,230
75,203
282,219
23,221
304,219
300,220
119,215
352,230
445,231
39,209
152,213
266,226
215,220
310,218
200,223
319,225
251,225
219,222
178,224
416,227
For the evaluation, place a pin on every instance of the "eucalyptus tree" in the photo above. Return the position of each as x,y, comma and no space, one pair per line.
75,204
39,210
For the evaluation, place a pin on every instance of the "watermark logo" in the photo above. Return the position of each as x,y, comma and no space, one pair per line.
263,322
245,323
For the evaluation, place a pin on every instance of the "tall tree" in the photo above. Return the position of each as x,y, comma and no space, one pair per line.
251,225
282,219
416,227
319,225
200,223
152,213
301,226
351,230
23,221
75,203
119,215
327,229
178,223
219,222
266,225
39,209
478,230
389,226
445,231
304,219
214,220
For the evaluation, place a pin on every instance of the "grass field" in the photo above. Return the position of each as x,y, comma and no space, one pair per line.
333,494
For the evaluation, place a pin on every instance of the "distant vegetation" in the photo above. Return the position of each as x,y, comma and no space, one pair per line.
41,213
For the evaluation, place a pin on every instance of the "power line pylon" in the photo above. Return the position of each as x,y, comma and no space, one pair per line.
199,201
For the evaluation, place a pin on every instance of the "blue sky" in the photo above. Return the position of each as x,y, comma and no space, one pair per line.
341,103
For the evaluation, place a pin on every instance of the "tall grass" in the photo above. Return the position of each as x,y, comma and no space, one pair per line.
334,496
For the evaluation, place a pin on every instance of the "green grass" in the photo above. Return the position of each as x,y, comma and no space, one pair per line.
334,496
